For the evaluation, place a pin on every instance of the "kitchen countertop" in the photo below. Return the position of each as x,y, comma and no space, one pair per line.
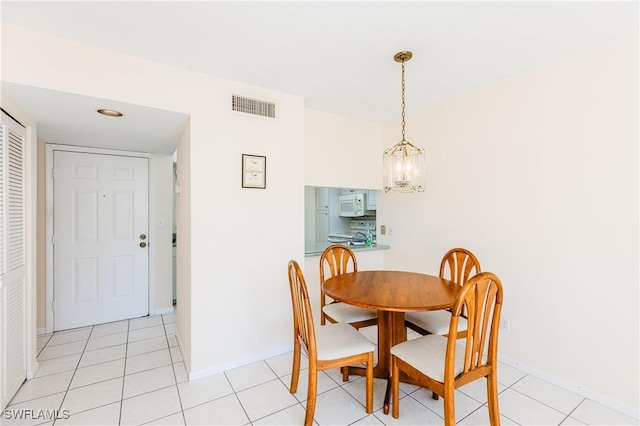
316,249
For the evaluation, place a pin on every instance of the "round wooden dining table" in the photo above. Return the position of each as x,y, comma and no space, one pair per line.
391,293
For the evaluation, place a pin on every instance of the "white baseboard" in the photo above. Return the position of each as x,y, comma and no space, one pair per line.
186,360
193,375
34,370
572,387
168,310
41,331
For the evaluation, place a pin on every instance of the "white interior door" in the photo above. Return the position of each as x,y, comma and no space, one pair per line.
100,235
12,259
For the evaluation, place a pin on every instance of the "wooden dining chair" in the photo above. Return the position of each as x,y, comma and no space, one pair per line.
443,364
331,346
457,265
338,259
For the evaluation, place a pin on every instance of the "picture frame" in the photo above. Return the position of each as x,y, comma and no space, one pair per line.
254,171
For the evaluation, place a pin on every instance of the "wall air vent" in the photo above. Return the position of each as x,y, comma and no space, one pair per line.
253,106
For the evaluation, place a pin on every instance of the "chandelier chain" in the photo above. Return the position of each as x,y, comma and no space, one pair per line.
403,121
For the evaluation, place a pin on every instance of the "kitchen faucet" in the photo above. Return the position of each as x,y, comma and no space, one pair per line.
368,237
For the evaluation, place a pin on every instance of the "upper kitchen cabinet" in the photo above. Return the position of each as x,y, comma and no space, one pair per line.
371,199
322,198
321,214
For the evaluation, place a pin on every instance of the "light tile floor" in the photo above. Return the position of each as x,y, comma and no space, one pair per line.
131,373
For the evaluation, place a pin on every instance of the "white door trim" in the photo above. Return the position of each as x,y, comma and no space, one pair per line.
50,148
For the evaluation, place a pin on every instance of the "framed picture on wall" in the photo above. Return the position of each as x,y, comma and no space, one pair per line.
254,171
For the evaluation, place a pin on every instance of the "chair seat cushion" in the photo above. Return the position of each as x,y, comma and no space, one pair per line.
435,322
343,312
340,340
427,354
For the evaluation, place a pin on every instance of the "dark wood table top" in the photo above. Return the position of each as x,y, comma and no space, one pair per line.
395,291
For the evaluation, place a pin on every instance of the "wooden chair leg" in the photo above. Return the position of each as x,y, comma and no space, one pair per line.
295,371
492,394
312,390
345,373
449,406
370,383
395,388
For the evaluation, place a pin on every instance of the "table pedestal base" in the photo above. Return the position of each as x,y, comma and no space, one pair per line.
391,331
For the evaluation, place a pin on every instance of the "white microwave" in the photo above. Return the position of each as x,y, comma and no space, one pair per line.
352,205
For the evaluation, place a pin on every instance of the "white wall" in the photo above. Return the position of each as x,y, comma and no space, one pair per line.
538,176
242,239
232,229
183,245
161,250
341,152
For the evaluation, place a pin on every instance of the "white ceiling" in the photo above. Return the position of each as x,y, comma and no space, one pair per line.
70,119
337,55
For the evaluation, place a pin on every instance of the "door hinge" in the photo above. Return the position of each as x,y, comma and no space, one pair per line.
53,305
53,173
53,239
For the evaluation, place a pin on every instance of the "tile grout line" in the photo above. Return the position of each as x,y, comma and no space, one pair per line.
574,410
298,402
338,385
39,351
126,351
173,370
341,386
543,403
486,404
73,375
410,396
150,391
510,387
244,410
288,389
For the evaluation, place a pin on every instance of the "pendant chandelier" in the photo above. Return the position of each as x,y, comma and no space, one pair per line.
404,163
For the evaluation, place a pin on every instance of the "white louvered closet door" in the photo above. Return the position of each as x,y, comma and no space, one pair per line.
12,259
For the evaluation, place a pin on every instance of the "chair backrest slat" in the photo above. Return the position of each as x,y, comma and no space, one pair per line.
339,259
302,316
460,264
481,301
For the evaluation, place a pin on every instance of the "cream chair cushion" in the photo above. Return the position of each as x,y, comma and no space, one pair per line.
343,312
340,340
435,322
427,355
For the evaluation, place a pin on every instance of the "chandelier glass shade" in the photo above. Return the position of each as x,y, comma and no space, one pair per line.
404,168
404,163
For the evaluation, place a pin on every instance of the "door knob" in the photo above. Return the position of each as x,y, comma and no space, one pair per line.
143,237
143,244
